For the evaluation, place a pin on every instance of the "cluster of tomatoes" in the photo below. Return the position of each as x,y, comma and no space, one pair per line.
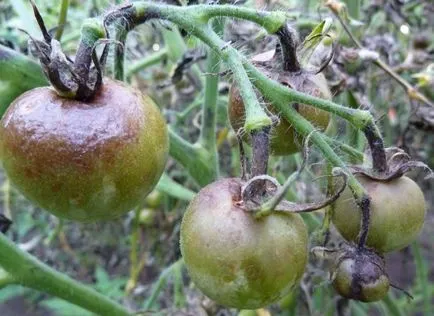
97,159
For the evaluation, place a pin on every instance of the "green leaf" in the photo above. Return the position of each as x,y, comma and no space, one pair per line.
312,41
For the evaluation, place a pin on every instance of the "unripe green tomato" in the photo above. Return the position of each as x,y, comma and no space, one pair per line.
153,200
283,138
396,218
361,279
84,161
235,259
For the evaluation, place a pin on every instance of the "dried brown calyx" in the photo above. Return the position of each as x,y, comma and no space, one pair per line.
77,79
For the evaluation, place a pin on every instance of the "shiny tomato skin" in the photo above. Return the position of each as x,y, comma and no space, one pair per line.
84,161
235,259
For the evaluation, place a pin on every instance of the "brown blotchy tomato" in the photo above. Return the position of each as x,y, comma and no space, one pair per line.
84,161
396,218
283,138
235,259
361,276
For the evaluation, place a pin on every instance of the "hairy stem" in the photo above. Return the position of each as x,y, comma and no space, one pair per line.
30,272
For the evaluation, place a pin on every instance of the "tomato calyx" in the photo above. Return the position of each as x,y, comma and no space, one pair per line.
398,163
263,194
71,79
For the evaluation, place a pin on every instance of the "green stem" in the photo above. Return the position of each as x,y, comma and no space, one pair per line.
256,118
120,48
5,279
354,153
363,120
359,118
194,158
146,62
305,128
28,271
62,19
209,108
172,188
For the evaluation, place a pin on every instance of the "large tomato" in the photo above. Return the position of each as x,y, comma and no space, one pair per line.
235,259
84,160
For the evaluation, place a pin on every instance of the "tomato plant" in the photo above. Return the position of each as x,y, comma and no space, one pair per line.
92,146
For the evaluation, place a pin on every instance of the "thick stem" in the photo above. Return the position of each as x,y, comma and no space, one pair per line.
269,88
360,119
256,118
288,42
28,271
305,128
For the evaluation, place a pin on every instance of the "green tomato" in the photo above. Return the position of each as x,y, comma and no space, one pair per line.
235,259
84,161
396,218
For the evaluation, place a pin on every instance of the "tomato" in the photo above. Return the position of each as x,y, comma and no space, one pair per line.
361,276
283,138
235,259
397,213
84,161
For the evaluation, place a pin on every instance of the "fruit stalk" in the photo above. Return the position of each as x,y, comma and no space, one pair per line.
91,31
288,42
260,150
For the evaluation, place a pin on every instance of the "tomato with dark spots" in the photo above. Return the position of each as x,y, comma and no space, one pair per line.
396,218
235,259
84,161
